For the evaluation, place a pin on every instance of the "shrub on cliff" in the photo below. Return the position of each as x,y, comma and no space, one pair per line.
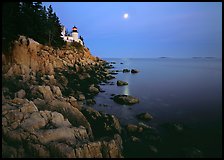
77,46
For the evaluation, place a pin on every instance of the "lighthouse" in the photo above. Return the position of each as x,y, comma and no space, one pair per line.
73,38
75,34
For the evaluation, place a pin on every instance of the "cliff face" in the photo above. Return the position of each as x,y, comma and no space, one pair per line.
42,95
28,56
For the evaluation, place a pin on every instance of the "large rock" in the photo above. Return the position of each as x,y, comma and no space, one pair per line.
61,134
46,92
102,124
97,149
37,129
121,83
71,113
36,121
125,99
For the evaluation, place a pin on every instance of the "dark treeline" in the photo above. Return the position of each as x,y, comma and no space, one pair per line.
33,20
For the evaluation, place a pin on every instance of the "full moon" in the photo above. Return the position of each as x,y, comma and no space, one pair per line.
125,16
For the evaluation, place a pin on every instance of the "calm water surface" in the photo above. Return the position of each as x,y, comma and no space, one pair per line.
188,91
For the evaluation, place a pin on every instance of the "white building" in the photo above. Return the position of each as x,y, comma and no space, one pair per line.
74,37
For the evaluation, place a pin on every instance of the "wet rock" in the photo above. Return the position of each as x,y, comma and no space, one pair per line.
121,83
125,99
144,116
93,89
126,70
102,124
134,71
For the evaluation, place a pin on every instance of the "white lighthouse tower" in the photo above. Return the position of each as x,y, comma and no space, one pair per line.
73,38
75,34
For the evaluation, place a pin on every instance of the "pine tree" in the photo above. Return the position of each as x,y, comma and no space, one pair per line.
10,21
32,20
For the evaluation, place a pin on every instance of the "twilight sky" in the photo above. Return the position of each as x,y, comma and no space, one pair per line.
151,30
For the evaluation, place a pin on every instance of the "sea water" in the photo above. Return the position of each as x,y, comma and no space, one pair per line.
187,91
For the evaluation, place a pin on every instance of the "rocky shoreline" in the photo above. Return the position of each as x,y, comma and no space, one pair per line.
46,99
43,94
43,97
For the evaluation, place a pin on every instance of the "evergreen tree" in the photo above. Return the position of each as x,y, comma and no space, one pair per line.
32,20
10,22
81,38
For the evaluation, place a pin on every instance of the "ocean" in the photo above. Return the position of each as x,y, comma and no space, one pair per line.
186,91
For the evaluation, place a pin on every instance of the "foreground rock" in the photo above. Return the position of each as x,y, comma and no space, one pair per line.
144,116
102,124
121,83
30,132
125,99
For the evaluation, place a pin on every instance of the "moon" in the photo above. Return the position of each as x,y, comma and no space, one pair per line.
125,15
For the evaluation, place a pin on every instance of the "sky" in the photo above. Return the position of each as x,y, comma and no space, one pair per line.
152,29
